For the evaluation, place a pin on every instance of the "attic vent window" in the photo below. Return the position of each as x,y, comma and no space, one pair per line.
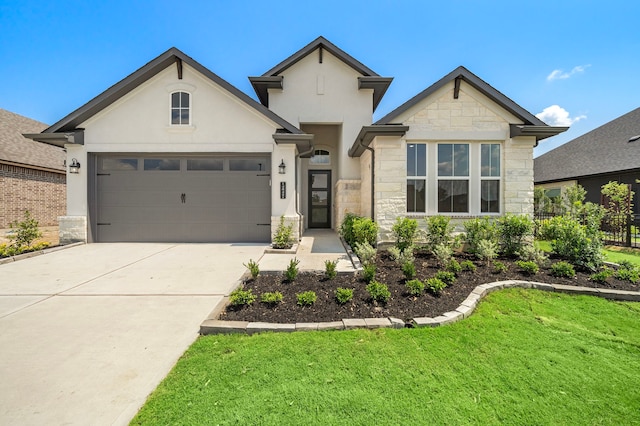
180,108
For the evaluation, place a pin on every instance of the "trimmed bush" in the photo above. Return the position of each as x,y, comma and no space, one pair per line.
446,276
487,250
573,242
477,230
365,230
369,272
414,287
468,265
344,295
563,269
529,268
283,237
409,270
330,269
271,298
601,277
405,230
253,268
365,252
240,297
513,232
499,267
346,228
291,273
379,292
453,266
435,285
306,298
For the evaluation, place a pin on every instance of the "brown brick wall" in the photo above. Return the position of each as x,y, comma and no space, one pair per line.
43,193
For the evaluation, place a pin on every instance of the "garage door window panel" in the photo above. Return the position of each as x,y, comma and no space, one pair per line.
248,165
161,164
118,164
205,164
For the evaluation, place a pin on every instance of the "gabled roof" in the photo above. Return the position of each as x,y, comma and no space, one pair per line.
605,149
16,149
168,58
273,79
533,126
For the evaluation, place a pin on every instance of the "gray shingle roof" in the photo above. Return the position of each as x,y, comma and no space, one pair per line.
15,148
603,150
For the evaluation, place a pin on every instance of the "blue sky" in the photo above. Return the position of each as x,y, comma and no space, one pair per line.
576,61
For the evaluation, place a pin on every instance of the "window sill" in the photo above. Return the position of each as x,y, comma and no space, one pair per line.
413,215
181,129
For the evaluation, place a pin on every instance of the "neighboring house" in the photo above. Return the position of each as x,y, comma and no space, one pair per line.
175,153
609,153
32,174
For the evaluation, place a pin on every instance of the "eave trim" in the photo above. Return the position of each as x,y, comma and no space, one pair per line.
303,142
540,132
368,133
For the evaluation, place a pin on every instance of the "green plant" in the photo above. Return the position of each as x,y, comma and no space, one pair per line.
435,285
443,253
379,292
477,230
563,269
530,252
404,231
414,287
253,268
23,233
240,297
499,267
601,276
330,269
578,244
454,266
394,253
439,232
306,298
409,270
346,228
446,276
291,273
528,267
365,252
344,295
365,230
369,272
283,237
468,265
631,274
513,232
271,298
487,250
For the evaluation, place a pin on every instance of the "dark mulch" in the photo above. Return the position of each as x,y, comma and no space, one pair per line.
401,305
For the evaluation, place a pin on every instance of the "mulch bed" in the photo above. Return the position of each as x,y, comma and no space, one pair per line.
401,305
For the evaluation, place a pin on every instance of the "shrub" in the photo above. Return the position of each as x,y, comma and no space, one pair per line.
563,269
240,297
573,242
487,250
477,230
330,269
468,265
283,237
443,253
346,228
628,274
453,266
415,287
435,285
446,276
369,272
271,298
409,270
365,229
530,253
379,292
513,232
406,256
528,267
306,298
344,295
439,231
499,267
25,232
601,277
405,230
291,273
394,253
365,252
253,268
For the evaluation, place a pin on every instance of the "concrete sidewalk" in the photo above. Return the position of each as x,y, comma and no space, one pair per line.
88,332
316,246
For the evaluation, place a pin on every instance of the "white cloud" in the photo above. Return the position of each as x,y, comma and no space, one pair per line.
555,115
561,75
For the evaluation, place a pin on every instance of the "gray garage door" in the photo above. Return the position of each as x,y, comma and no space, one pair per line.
183,199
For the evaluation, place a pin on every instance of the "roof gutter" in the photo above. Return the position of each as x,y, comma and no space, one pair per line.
305,154
540,132
58,139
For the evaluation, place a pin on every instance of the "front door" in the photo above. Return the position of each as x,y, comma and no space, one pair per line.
319,199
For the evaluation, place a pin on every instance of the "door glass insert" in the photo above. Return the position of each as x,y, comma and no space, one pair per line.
319,199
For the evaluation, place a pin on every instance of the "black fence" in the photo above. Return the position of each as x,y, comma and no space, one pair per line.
618,230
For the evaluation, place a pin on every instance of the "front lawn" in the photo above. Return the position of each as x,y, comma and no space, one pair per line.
523,357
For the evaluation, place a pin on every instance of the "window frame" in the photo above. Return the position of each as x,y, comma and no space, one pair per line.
180,109
417,177
491,177
454,177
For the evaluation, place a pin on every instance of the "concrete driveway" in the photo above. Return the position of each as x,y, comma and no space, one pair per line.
88,332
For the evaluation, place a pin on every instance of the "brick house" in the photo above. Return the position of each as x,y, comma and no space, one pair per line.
32,174
175,153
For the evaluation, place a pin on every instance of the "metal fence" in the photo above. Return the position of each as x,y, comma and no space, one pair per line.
618,230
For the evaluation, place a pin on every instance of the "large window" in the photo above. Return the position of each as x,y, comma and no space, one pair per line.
454,178
180,108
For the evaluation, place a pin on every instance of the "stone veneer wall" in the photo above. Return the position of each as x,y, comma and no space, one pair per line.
365,186
347,199
518,176
72,229
390,184
288,220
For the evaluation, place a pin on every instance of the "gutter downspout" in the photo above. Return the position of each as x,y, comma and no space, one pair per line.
298,195
373,176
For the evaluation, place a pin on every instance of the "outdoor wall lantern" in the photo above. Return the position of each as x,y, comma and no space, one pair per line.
282,167
74,167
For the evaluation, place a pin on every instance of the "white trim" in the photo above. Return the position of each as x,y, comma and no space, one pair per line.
180,108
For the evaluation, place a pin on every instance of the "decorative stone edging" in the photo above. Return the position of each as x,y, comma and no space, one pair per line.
211,326
37,253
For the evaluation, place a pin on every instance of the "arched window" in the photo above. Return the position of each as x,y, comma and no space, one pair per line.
320,156
180,108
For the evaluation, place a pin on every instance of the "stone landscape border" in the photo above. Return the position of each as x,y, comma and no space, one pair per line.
214,326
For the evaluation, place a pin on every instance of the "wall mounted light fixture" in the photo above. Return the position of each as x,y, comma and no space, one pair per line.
282,167
74,167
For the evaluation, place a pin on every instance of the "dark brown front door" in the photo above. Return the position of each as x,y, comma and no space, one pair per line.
319,199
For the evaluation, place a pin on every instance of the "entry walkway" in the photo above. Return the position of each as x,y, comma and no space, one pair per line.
316,246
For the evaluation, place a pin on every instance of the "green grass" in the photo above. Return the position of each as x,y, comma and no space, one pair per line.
611,254
524,357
